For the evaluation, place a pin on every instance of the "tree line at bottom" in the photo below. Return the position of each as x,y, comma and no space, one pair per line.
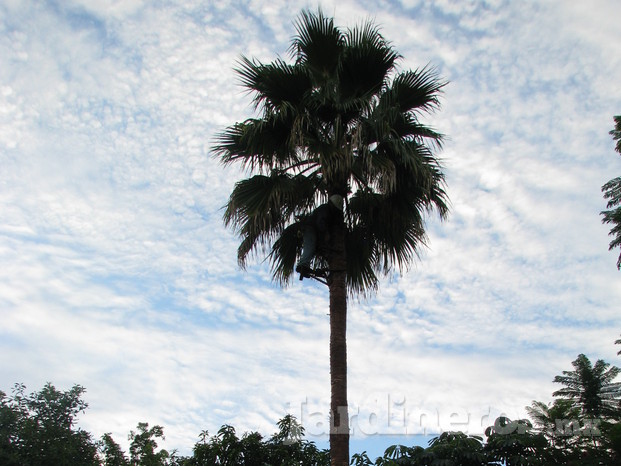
582,426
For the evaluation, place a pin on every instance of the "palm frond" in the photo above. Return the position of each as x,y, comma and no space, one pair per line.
394,228
399,240
260,207
371,167
612,192
277,85
318,44
409,128
613,216
336,167
262,144
284,253
367,61
606,373
361,277
616,133
414,91
539,412
410,169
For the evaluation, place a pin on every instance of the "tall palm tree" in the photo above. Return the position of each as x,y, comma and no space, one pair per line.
612,192
339,120
591,387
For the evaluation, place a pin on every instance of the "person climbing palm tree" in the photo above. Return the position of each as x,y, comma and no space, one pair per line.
338,120
316,230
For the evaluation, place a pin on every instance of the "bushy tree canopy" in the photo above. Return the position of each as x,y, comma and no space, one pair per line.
39,428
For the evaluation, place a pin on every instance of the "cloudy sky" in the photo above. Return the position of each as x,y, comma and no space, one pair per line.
116,272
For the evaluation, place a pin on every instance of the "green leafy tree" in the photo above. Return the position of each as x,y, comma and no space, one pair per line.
592,388
39,428
590,435
112,452
143,446
224,449
612,433
339,120
448,449
361,459
285,448
559,423
288,447
513,443
10,436
394,455
555,419
612,192
457,449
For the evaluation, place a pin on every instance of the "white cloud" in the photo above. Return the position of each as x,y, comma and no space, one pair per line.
118,274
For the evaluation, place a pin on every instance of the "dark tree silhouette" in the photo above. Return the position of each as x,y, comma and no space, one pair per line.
591,387
339,123
612,192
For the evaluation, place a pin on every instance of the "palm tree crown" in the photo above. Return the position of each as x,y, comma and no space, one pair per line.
338,119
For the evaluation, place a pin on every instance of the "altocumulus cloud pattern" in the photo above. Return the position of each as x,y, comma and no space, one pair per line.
117,273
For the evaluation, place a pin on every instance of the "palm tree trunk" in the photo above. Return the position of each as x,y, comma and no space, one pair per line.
339,417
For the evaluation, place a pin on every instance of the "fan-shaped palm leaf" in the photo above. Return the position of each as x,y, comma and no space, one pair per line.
318,44
260,207
366,63
277,85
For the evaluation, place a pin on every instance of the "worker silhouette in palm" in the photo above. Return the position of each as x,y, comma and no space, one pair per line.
316,232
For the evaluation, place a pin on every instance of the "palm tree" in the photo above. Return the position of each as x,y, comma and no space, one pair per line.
338,122
612,192
591,388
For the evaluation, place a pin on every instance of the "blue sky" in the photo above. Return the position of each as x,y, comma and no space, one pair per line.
117,273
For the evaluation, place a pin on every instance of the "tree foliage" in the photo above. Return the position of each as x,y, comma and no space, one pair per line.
286,448
591,388
39,428
143,446
612,193
112,452
337,119
514,443
582,426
